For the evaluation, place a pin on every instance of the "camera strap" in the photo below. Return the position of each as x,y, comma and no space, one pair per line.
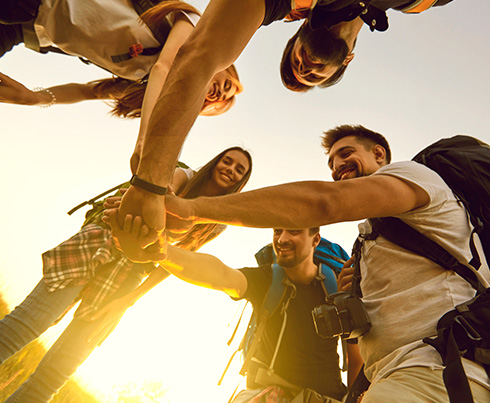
357,253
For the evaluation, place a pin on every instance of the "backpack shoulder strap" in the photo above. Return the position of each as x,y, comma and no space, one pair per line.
327,276
272,302
163,30
95,198
402,234
330,254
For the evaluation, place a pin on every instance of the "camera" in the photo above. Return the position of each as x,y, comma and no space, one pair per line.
343,315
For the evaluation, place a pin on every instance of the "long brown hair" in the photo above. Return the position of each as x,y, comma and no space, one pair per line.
127,96
200,234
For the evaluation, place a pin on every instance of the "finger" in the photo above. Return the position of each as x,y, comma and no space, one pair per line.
347,270
346,282
111,202
137,225
106,220
349,262
123,190
144,231
128,223
112,216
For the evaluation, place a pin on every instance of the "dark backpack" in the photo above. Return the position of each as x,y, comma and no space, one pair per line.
329,256
464,164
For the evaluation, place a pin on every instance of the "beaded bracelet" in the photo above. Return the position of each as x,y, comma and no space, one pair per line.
53,97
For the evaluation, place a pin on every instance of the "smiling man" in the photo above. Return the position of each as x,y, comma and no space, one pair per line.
404,293
318,54
290,358
218,39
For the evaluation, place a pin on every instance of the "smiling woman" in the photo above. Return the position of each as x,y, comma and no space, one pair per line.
226,173
88,267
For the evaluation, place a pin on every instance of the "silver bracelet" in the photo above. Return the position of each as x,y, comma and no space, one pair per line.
53,97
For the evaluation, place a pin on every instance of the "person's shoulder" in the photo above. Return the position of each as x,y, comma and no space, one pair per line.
259,280
189,172
409,170
423,177
190,17
264,270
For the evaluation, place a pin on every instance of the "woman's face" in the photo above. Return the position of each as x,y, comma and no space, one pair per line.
230,169
221,88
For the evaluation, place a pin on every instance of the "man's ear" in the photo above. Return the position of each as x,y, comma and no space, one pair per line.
380,154
316,239
348,59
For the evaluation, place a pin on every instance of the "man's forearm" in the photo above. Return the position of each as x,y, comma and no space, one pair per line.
204,270
309,204
171,120
218,39
293,205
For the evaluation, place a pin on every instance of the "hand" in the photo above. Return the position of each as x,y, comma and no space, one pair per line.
108,318
345,277
150,207
114,201
132,237
13,92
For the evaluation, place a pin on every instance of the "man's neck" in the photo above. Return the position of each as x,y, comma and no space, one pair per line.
348,31
304,273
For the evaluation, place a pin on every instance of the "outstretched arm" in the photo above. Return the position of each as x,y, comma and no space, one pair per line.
205,270
13,92
196,268
179,33
218,39
305,204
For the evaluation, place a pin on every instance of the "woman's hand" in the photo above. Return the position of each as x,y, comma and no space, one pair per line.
133,237
13,92
113,202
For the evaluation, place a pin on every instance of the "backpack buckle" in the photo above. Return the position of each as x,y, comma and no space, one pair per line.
471,332
135,50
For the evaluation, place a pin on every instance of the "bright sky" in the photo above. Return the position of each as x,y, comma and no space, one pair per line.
423,79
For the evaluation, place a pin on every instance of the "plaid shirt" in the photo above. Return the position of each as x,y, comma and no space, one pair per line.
88,258
267,394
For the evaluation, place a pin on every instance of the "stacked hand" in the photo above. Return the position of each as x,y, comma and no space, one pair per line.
131,232
150,207
133,238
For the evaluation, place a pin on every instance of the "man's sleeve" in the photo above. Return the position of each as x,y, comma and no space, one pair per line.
276,10
258,282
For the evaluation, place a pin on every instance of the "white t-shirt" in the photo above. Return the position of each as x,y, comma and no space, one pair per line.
97,30
405,294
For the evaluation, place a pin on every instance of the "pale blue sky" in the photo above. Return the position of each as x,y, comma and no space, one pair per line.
425,78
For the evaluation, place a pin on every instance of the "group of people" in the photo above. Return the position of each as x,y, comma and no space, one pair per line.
170,65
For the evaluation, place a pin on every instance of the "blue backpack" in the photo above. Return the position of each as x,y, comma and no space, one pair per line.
328,256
